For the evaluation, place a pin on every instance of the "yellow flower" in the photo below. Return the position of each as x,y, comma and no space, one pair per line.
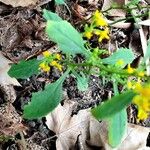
58,56
129,85
98,19
142,100
45,67
141,74
88,34
59,67
55,64
130,70
46,54
142,115
103,34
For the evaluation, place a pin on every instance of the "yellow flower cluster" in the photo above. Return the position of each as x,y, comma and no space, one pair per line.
50,60
98,26
142,100
99,20
131,70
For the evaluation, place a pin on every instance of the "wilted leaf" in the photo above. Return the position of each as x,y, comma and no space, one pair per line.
68,39
24,69
121,54
16,3
113,106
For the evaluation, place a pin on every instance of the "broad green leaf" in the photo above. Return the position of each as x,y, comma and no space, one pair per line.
68,39
117,125
82,82
48,15
24,69
112,106
44,101
122,54
59,1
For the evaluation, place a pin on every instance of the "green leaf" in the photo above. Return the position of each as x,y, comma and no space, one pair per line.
68,39
45,101
59,2
24,69
112,106
48,15
122,54
117,126
82,82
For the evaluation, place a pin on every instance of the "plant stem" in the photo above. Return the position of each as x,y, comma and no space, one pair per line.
128,18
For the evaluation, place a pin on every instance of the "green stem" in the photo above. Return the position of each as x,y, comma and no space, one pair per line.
128,18
115,87
101,66
123,7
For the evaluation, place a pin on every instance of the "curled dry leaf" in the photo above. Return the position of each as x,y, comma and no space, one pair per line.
86,130
16,3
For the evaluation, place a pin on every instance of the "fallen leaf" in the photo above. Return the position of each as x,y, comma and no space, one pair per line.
93,2
16,3
10,120
122,25
88,131
114,12
68,128
5,79
145,22
135,138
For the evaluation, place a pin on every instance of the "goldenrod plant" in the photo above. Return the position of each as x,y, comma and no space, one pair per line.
116,68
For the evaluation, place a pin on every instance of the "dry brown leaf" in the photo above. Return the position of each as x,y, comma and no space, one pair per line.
68,128
10,120
5,79
122,25
114,12
88,131
135,138
16,3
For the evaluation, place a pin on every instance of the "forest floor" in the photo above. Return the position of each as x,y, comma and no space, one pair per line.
22,36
